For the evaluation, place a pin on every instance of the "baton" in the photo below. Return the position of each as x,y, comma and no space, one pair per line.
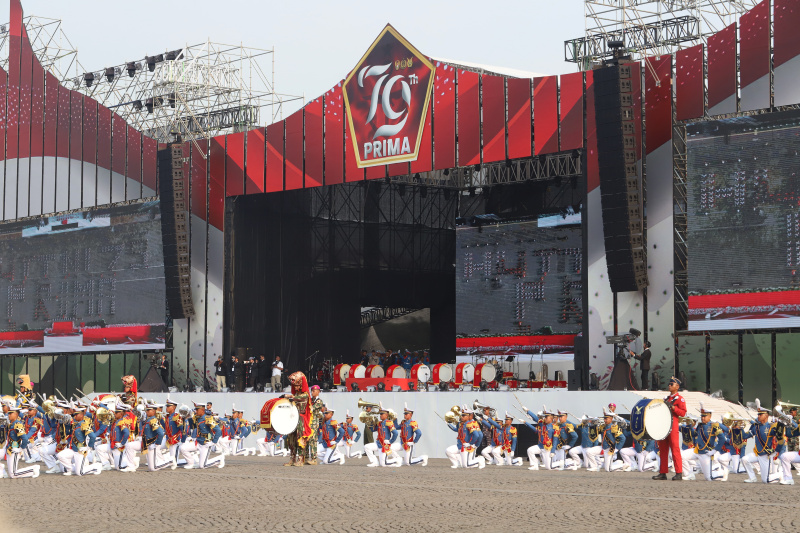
440,416
62,396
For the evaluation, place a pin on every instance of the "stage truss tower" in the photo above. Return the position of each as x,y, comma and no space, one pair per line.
649,27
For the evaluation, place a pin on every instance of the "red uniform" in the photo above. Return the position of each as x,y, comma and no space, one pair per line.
673,441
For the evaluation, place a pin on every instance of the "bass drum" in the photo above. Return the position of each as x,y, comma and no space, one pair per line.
396,371
340,373
441,372
375,371
651,420
358,372
279,415
485,372
465,373
420,373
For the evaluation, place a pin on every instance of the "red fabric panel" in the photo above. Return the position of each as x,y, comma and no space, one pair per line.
256,163
15,30
313,134
119,143
63,122
376,172
75,125
234,164
89,143
199,187
545,115
104,139
754,43
334,136
3,116
519,118
397,169
294,151
592,165
689,96
25,82
149,161
469,118
134,154
50,114
786,35
351,170
572,111
444,109
275,156
658,102
37,110
216,189
494,119
721,65
424,161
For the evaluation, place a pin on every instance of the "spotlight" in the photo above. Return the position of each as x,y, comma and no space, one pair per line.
171,56
137,105
354,386
149,104
110,73
131,68
381,386
443,386
325,385
484,386
88,78
412,386
151,63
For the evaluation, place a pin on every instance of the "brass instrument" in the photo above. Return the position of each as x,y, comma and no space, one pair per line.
184,411
689,421
783,418
105,416
368,419
732,420
367,406
49,407
453,416
479,407
212,422
154,425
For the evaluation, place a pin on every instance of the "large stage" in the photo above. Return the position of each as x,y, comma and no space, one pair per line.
435,434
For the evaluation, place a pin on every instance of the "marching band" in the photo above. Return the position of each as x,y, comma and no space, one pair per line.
113,432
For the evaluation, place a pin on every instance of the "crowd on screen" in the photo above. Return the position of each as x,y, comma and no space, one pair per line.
403,358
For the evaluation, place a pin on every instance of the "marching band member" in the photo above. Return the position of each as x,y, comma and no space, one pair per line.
153,442
636,456
738,444
330,437
47,442
173,430
74,458
468,437
208,434
590,438
509,443
409,437
565,438
118,438
763,431
25,386
268,445
611,442
688,454
33,424
677,406
493,429
790,457
63,432
96,438
17,442
351,436
228,427
545,431
240,431
385,437
706,437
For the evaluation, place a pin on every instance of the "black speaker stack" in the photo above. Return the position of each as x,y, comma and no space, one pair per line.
619,180
174,234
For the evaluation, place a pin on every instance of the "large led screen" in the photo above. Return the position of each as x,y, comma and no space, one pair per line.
86,281
744,223
520,279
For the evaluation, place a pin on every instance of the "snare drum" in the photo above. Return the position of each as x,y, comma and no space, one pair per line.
340,373
358,372
421,373
441,372
485,372
465,373
375,371
651,419
396,371
279,415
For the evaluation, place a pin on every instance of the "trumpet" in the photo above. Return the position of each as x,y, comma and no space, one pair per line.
689,421
479,407
453,416
368,407
731,420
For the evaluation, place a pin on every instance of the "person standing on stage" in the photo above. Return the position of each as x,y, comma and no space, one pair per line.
277,371
644,363
163,369
232,373
677,405
219,372
263,372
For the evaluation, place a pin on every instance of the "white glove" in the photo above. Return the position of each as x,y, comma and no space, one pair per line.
524,408
521,420
350,442
387,442
118,446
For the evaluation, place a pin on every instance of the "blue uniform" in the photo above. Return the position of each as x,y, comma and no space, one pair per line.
590,436
763,434
687,436
409,433
152,436
613,438
204,431
707,437
351,432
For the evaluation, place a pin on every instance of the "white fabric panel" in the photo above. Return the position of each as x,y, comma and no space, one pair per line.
75,183
35,188
23,186
601,320
117,187
89,184
755,95
197,333
133,190
49,185
62,184
103,186
10,212
787,90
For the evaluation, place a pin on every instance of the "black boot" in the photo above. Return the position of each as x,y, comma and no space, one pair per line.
677,477
660,477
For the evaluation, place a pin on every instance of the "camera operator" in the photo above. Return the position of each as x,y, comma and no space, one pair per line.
232,373
644,359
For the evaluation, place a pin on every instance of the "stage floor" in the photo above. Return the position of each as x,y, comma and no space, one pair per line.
259,494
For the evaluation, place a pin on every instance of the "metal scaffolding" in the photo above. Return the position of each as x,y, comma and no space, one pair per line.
49,42
649,27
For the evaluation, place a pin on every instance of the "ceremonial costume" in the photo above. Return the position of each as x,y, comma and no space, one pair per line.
350,437
706,440
564,438
73,458
315,404
763,433
671,443
385,436
409,437
468,437
494,431
612,439
153,443
509,446
590,438
329,436
790,457
545,433
296,441
689,456
208,434
17,442
737,446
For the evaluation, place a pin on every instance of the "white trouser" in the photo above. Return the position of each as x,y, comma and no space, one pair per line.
609,464
348,450
205,452
497,453
132,447
332,456
648,461
469,461
689,459
575,451
630,457
559,460
175,453
103,452
118,455
704,459
266,448
535,450
764,462
371,449
488,454
188,449
237,447
511,460
383,458
787,458
48,453
724,460
224,444
453,454
409,458
76,462
737,465
157,459
593,456
12,466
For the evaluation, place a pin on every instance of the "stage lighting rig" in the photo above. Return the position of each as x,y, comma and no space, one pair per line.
88,78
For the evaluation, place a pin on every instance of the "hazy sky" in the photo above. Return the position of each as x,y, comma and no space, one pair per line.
317,43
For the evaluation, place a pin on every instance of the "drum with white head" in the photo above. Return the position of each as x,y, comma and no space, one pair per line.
441,372
651,419
358,372
280,415
375,371
485,372
396,371
465,373
421,373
